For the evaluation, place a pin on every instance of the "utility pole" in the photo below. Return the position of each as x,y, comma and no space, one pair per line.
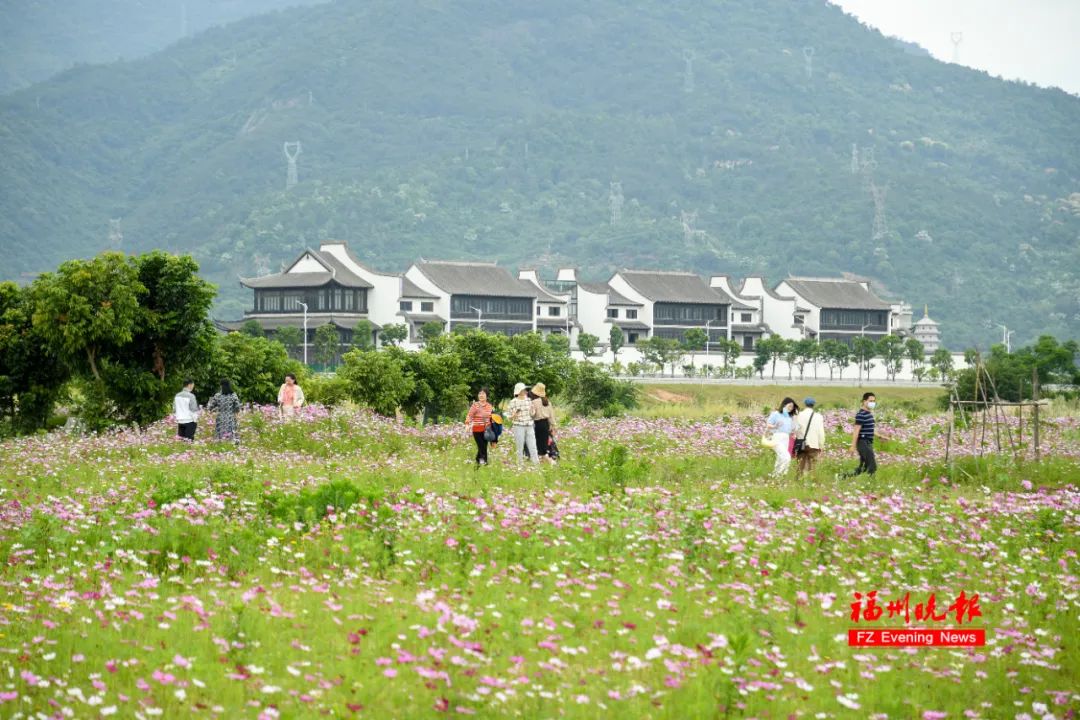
808,55
304,305
615,202
292,152
688,72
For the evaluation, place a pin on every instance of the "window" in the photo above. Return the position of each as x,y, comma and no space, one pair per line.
631,314
291,300
613,312
631,338
427,307
270,301
350,300
748,342
799,319
688,314
554,311
405,306
853,319
746,317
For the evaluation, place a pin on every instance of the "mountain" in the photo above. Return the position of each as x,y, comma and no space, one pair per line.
39,38
515,130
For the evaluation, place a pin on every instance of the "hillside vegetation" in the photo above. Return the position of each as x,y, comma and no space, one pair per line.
496,129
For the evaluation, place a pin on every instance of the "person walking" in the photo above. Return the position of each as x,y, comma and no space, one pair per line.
810,429
543,420
782,424
227,405
862,437
520,411
186,409
290,397
478,421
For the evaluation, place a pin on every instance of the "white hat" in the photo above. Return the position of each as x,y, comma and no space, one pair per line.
518,388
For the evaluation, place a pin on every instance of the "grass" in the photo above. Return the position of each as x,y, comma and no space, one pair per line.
711,401
343,566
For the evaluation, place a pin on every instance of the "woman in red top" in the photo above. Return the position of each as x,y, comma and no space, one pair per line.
478,420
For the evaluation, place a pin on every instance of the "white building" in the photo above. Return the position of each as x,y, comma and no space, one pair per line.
838,309
927,332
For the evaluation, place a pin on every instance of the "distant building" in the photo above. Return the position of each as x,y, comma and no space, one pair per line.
839,309
927,332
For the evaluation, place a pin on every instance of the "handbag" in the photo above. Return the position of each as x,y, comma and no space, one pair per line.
800,443
490,436
767,440
553,449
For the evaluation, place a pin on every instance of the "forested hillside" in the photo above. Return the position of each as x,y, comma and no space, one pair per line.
487,129
39,38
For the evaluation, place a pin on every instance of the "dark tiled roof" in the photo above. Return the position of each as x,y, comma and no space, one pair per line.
334,271
594,288
423,318
482,279
628,324
409,289
677,287
614,298
288,280
559,322
837,293
277,322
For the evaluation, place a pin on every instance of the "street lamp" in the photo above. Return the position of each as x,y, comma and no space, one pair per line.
479,317
304,305
862,333
707,337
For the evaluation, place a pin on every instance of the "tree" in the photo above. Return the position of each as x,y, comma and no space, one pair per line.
291,337
805,350
942,361
364,335
892,351
86,308
694,340
616,341
592,389
326,345
837,355
30,380
255,366
377,380
558,343
863,350
772,348
587,344
730,350
916,354
394,334
761,359
661,351
440,391
252,328
791,356
429,331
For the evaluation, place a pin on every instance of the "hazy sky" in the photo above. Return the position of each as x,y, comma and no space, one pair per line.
1033,40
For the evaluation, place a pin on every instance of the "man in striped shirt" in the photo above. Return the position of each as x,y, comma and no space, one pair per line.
862,439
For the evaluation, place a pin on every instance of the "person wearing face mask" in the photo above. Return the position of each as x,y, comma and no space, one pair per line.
782,424
862,439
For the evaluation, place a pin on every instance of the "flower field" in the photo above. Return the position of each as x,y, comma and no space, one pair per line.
343,565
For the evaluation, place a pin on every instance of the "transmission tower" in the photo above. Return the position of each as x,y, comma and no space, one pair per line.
688,73
881,229
116,234
615,202
808,55
957,38
854,158
292,152
183,18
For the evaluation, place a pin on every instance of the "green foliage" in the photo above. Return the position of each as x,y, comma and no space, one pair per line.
694,340
593,390
804,351
440,161
942,362
837,355
440,391
429,331
252,328
324,389
661,351
377,380
30,380
364,335
587,344
559,344
394,334
863,351
892,351
326,345
616,341
290,336
1011,374
770,349
256,367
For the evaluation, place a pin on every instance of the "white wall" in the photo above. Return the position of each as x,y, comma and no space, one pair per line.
645,312
779,315
307,264
384,293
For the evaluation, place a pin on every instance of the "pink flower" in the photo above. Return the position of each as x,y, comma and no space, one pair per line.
451,543
181,661
390,672
8,696
934,715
